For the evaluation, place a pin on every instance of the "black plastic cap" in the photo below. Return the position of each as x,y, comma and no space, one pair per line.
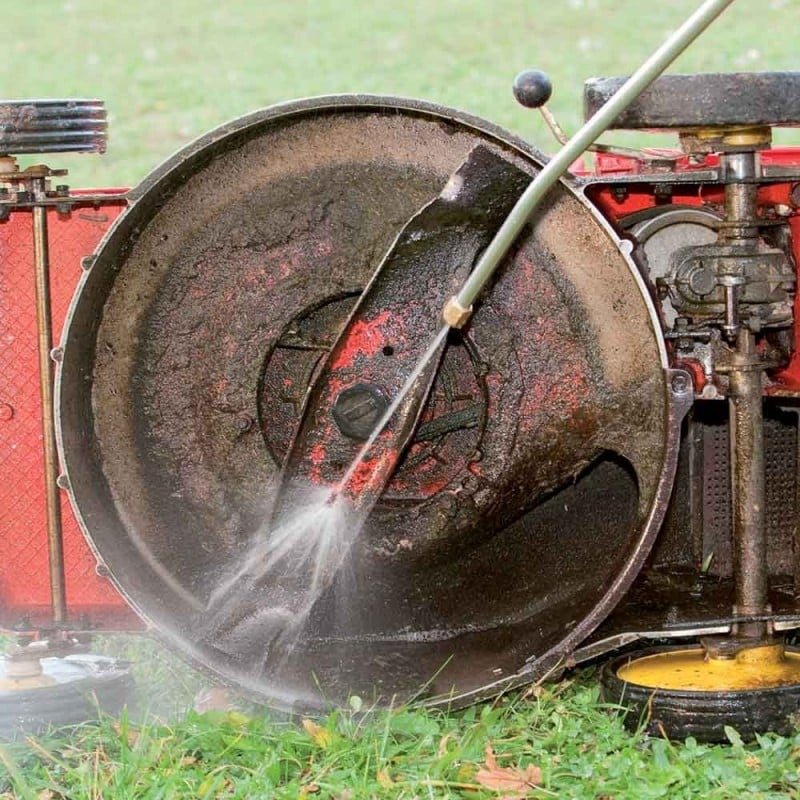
532,88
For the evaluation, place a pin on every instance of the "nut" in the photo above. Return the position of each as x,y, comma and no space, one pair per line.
454,314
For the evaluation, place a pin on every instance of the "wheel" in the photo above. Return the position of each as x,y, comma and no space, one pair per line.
52,126
537,475
678,692
70,691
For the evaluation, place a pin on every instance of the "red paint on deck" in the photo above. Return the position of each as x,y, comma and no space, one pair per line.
365,339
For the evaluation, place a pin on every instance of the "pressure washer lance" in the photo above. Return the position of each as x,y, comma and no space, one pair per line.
458,309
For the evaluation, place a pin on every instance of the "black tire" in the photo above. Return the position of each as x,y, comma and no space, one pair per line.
52,126
702,715
89,686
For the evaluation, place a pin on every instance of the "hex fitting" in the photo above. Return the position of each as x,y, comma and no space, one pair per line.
454,314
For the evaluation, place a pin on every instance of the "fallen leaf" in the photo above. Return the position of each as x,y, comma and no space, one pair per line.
355,703
537,690
45,794
214,698
319,735
518,781
384,779
130,734
305,791
443,744
236,718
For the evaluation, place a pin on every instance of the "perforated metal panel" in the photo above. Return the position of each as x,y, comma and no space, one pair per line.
717,493
24,589
780,447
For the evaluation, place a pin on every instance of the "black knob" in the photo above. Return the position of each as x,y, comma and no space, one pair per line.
532,88
52,126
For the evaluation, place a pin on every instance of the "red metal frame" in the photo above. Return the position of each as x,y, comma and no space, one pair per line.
24,586
616,205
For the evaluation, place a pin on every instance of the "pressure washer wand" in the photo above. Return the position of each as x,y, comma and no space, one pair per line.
458,308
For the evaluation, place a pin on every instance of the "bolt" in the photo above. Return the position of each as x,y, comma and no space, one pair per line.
358,409
702,279
619,193
680,382
244,422
6,412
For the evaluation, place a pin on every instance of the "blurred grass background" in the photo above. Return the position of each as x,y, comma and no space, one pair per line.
170,70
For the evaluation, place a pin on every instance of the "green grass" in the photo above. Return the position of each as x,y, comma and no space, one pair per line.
579,745
169,71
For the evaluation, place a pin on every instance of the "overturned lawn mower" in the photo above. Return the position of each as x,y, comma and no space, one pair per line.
361,396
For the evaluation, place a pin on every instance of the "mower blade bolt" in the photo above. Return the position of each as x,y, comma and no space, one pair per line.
358,409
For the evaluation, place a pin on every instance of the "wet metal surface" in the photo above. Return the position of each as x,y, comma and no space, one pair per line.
531,490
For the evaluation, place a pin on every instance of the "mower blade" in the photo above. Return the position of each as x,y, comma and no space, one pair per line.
390,330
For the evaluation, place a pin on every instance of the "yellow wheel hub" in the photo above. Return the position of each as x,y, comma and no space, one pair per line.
763,667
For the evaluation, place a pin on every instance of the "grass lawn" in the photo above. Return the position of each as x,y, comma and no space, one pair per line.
169,71
558,736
